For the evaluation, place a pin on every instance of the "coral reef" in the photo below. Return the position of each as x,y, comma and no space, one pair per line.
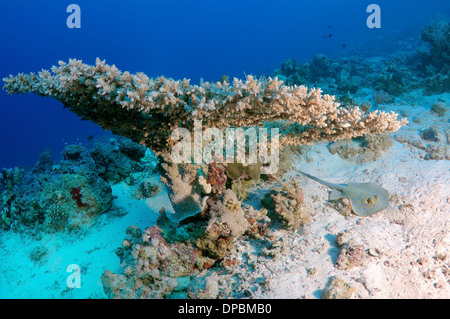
147,111
192,253
213,231
117,158
347,82
392,75
438,36
217,178
150,262
435,64
242,177
53,201
171,260
392,78
213,239
70,194
436,84
227,222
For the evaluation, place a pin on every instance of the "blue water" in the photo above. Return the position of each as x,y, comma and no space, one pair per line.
194,39
175,38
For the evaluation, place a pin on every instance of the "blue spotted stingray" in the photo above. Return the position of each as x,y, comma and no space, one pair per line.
366,198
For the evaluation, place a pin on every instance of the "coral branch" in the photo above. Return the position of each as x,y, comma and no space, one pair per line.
147,110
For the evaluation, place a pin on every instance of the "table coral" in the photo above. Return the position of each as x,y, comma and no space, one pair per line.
147,110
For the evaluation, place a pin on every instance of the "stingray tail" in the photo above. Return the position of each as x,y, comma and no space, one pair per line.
336,186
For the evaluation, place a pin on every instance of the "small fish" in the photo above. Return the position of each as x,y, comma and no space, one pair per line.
343,45
366,198
90,137
329,26
330,35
